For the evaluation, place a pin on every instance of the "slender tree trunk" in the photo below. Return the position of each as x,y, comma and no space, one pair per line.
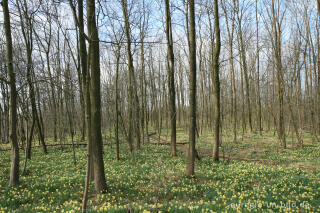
131,77
277,54
294,122
69,100
29,140
193,86
27,151
54,104
216,82
233,81
159,102
246,78
147,108
81,91
117,103
171,79
87,182
27,32
234,95
243,116
142,86
258,74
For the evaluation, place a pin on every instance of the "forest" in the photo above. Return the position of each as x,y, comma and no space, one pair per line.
159,106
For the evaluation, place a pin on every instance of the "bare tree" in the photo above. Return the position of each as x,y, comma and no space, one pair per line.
216,82
130,67
95,99
244,63
193,86
230,31
26,22
14,171
275,33
171,79
258,73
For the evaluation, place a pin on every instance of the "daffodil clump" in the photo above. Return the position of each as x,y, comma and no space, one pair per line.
155,182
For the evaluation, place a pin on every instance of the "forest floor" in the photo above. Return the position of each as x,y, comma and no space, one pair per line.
254,175
264,149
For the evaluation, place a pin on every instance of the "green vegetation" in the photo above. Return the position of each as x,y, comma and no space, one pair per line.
155,182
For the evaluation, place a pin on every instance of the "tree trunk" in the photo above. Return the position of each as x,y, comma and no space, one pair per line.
172,93
14,171
95,99
193,86
131,77
277,54
216,82
233,81
258,74
117,103
245,72
85,79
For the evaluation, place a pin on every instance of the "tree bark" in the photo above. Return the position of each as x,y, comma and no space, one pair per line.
277,53
131,76
233,81
216,82
193,86
95,99
245,71
258,74
117,103
170,65
14,171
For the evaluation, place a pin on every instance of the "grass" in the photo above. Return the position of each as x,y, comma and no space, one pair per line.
154,182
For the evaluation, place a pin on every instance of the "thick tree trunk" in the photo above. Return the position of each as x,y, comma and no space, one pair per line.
14,171
84,60
95,99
